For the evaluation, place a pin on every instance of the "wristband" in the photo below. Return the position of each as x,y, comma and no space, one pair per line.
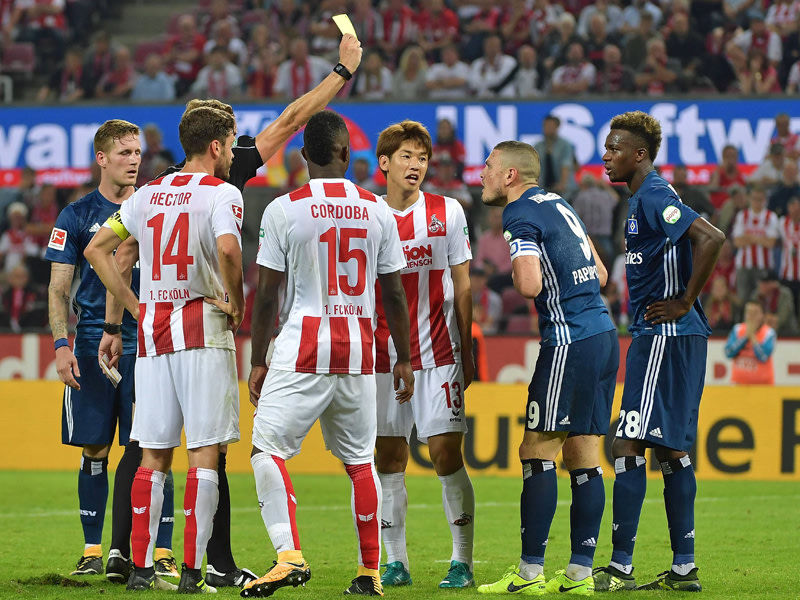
345,73
61,342
112,328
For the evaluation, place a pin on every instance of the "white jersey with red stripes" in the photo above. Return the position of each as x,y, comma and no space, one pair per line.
790,251
332,239
434,235
177,220
763,224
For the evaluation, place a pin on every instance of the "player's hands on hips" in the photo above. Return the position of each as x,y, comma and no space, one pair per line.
350,52
67,367
111,348
234,316
403,374
468,366
255,382
666,310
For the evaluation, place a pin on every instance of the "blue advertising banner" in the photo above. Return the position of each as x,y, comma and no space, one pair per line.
694,132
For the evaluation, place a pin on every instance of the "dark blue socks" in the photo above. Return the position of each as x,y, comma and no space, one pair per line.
92,497
537,507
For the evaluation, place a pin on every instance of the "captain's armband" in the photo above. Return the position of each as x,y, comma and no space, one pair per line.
115,223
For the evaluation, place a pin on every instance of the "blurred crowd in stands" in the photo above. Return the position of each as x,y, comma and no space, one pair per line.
433,49
437,49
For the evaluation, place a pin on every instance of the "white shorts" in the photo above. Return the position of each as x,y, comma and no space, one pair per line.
437,405
292,402
196,390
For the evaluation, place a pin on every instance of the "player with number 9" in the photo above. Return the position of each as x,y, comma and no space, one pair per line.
569,398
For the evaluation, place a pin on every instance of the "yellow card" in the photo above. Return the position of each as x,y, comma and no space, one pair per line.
344,24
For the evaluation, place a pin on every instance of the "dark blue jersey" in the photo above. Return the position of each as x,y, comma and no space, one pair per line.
658,259
74,229
570,308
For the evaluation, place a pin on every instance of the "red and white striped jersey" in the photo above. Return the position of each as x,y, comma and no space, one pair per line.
332,239
764,223
434,235
177,220
790,250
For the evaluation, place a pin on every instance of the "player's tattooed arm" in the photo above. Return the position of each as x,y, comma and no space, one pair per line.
58,297
297,114
462,291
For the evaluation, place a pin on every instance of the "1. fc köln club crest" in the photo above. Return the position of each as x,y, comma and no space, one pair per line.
435,226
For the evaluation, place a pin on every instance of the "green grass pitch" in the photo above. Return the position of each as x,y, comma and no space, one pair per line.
748,536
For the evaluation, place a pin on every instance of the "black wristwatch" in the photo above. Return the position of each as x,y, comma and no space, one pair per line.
340,69
112,328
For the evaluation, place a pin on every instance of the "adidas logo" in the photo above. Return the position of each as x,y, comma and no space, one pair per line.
656,432
139,510
94,228
689,535
366,518
591,542
564,421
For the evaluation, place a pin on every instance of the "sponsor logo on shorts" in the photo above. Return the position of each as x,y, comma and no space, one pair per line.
656,433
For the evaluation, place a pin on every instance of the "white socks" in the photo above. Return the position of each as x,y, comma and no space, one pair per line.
395,508
458,498
278,504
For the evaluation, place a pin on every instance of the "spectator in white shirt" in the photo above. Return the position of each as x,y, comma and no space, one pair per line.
300,73
220,78
154,85
492,74
576,76
526,80
448,79
632,15
374,79
224,36
759,35
611,12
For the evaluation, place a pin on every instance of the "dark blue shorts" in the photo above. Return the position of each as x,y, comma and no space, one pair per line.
573,386
664,378
90,415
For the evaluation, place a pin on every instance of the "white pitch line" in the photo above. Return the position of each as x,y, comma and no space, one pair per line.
346,507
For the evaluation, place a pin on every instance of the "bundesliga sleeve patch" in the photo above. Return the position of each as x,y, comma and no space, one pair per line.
507,236
114,222
671,214
58,239
238,213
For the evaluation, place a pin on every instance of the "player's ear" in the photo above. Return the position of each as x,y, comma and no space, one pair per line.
344,154
303,153
100,157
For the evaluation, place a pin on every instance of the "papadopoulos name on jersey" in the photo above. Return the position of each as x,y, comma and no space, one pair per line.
337,211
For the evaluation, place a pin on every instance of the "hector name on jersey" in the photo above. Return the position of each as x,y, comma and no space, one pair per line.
74,229
658,257
434,235
570,308
177,220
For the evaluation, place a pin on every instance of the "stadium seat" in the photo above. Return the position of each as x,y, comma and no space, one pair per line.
513,301
19,58
519,324
145,48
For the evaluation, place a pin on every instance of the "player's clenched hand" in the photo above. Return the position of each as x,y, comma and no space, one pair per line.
350,52
67,367
403,373
111,348
469,369
234,316
666,310
256,380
